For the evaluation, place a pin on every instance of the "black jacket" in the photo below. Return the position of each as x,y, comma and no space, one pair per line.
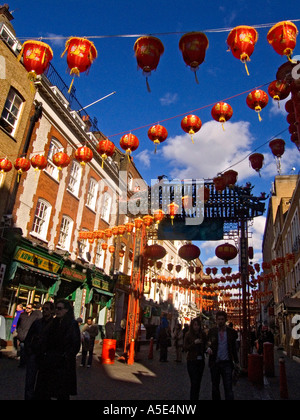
213,343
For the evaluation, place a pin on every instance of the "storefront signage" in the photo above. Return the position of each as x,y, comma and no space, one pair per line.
71,274
100,284
36,260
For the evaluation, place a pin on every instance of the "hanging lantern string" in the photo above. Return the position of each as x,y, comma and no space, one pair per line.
259,147
218,30
188,112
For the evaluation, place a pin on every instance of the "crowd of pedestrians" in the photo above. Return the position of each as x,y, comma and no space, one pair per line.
47,340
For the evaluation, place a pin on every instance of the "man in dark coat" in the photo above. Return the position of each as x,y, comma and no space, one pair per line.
57,376
222,356
26,319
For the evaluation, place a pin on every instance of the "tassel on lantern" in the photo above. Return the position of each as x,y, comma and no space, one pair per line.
244,59
258,109
76,72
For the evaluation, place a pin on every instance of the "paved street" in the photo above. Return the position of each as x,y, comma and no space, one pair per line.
147,380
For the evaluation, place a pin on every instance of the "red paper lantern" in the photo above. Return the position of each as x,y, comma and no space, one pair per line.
104,246
99,234
230,178
278,147
226,252
189,252
138,223
112,249
5,165
22,165
61,160
39,162
257,100
279,90
222,112
155,252
129,227
283,37
256,161
158,134
241,42
148,51
84,155
106,149
220,183
193,46
121,230
173,210
158,215
36,58
80,55
148,221
191,124
108,233
130,143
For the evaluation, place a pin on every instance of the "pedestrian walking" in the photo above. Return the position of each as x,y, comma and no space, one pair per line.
110,329
19,311
89,333
222,357
195,346
26,319
34,346
164,339
178,341
57,368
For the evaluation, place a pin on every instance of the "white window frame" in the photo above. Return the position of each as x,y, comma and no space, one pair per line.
84,247
7,36
8,108
100,256
75,178
106,207
92,194
51,169
41,219
65,233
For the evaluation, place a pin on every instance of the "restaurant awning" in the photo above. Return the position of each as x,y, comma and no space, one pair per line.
292,305
15,265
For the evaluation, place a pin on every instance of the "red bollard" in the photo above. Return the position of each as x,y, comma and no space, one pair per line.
269,359
284,393
130,360
256,369
150,355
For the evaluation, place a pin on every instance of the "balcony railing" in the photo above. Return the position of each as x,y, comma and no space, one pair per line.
54,79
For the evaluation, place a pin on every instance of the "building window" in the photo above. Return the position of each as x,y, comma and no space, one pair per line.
65,233
100,254
9,38
84,248
92,194
54,148
11,111
41,219
106,207
75,178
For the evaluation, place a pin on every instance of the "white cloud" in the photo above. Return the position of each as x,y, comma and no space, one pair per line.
169,99
213,152
144,158
278,108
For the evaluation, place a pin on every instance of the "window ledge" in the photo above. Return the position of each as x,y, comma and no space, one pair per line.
37,236
74,195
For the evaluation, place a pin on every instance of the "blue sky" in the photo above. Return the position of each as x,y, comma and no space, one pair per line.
173,88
